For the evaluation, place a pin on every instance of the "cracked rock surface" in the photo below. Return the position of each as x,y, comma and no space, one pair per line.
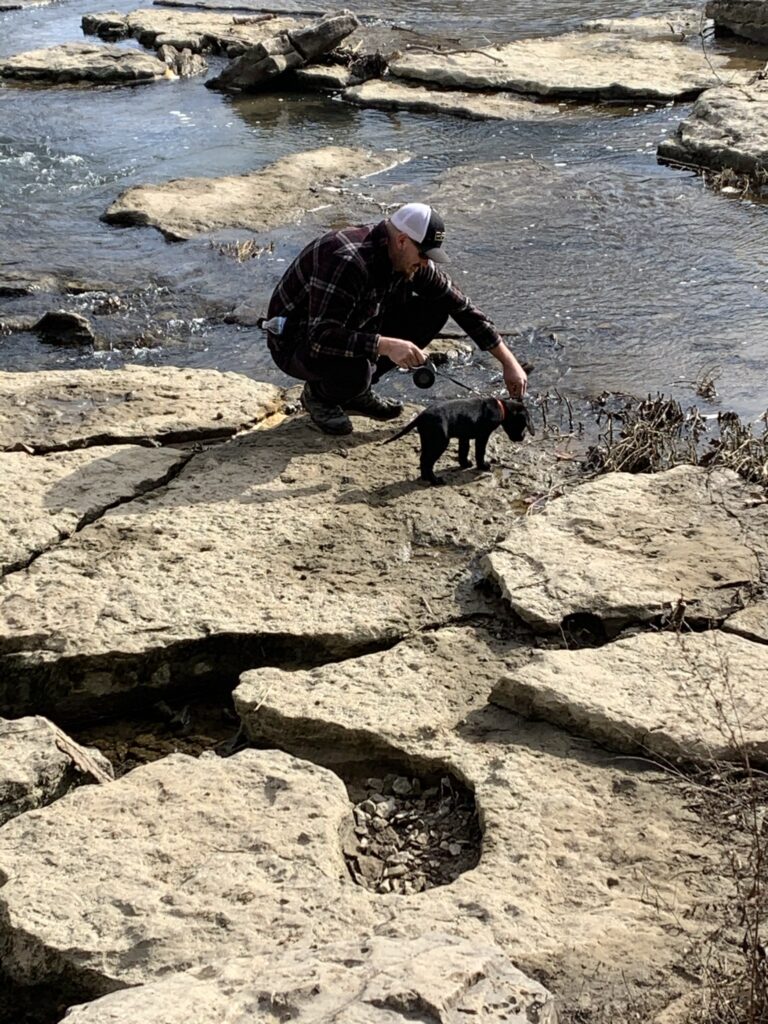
390,94
48,497
627,548
262,199
376,980
570,835
84,62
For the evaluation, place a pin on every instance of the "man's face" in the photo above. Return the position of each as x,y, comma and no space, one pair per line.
406,257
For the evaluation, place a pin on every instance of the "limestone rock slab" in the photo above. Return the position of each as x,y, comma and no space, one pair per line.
747,18
727,129
177,864
578,65
387,94
671,25
276,194
627,548
39,764
84,62
690,697
76,408
372,980
47,498
198,31
570,835
751,622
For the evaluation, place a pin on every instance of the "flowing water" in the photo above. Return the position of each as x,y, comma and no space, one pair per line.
618,274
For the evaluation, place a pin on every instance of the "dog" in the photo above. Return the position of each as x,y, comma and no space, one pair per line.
465,419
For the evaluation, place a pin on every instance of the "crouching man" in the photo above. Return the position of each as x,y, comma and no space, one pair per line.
357,302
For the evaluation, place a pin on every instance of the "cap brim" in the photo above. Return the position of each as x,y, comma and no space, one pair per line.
437,256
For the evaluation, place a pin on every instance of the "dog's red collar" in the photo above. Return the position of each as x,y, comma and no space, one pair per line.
502,409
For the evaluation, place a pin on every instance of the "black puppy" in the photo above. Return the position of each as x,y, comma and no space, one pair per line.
465,418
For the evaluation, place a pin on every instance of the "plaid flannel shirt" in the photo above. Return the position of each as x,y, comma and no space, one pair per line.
339,288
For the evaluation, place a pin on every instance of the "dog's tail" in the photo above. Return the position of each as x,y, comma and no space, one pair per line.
406,428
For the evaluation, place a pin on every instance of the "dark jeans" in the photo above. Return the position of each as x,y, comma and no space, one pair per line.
338,379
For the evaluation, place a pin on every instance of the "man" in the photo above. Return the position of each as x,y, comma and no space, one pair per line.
358,302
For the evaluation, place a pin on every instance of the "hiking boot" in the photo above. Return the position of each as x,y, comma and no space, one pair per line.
376,408
331,419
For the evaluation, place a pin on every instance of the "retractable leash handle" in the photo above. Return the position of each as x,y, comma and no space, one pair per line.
275,324
424,377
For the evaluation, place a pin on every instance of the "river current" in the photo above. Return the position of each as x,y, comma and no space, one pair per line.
617,273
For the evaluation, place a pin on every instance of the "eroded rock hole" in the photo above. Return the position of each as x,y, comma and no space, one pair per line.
409,834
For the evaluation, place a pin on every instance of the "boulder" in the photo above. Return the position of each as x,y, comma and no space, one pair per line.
626,548
260,200
84,62
47,498
57,409
284,52
64,328
726,130
210,32
746,18
369,980
580,65
677,697
39,764
183,63
387,94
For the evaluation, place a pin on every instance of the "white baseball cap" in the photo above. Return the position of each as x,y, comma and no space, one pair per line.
423,226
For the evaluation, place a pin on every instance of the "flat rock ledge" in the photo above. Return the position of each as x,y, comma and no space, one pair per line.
48,498
751,622
199,32
727,130
371,980
274,195
386,94
39,764
679,697
627,548
580,65
60,409
84,62
570,835
746,18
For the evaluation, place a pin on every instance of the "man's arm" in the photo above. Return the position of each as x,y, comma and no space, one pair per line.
515,377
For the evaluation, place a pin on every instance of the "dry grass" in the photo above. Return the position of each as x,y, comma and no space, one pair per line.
248,249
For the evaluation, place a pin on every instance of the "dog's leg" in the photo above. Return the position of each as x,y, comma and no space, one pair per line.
464,453
481,442
431,450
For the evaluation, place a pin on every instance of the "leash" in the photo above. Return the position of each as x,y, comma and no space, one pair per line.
428,371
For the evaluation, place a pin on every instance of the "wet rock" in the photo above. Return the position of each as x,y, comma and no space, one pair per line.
64,328
376,980
175,865
83,62
579,65
257,201
671,25
284,52
694,697
47,498
627,548
16,283
317,76
17,324
77,408
726,130
746,18
388,94
183,63
556,814
230,34
39,764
